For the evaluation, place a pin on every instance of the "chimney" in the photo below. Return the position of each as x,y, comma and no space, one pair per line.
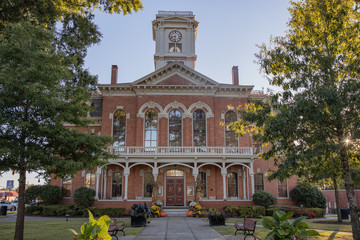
235,75
114,73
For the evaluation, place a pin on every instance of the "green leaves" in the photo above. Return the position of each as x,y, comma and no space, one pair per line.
282,228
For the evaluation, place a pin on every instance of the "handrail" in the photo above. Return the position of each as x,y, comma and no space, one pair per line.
176,151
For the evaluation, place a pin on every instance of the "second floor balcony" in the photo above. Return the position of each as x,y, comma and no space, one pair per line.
183,151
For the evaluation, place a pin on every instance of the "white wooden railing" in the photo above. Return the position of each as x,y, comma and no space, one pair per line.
181,150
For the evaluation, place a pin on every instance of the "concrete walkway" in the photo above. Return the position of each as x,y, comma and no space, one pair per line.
178,228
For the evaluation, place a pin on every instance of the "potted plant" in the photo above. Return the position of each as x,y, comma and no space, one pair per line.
155,211
139,213
194,209
216,218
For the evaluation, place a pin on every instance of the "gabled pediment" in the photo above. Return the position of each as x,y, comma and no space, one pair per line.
175,74
176,19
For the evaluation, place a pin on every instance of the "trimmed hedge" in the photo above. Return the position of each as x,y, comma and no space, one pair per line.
48,194
31,209
61,210
298,211
245,211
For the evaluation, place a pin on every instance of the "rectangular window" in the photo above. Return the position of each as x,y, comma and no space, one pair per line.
175,47
259,182
202,183
282,189
148,184
66,188
116,184
90,180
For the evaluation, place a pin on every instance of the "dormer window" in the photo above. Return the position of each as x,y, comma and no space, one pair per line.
175,47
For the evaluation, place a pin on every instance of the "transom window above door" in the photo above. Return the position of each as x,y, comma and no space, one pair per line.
175,173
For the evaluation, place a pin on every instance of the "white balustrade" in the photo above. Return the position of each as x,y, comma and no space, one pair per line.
181,150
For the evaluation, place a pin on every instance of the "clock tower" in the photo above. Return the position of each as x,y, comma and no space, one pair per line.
174,33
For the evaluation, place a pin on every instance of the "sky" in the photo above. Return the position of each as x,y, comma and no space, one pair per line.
227,36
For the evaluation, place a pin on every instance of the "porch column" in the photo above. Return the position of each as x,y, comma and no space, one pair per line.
126,175
155,171
244,184
105,182
224,174
195,172
252,179
97,176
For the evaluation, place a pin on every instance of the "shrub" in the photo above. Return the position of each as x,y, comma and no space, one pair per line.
251,211
231,211
298,211
50,194
84,197
307,196
30,210
244,211
32,193
264,199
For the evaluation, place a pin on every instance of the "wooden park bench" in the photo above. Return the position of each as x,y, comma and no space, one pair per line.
114,229
248,228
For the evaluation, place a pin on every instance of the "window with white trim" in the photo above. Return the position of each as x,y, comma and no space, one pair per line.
175,128
230,136
232,185
116,190
119,128
282,189
90,179
199,128
151,128
66,187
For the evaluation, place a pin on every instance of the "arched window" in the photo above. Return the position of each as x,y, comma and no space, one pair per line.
175,136
148,184
151,128
116,184
119,128
199,128
230,136
232,185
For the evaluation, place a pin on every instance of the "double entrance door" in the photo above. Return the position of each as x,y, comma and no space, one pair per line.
175,191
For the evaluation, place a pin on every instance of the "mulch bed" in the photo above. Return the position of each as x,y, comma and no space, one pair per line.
333,222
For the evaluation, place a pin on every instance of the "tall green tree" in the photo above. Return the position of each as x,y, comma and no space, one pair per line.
317,64
43,84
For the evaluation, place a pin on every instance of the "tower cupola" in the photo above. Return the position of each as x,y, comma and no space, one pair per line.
174,33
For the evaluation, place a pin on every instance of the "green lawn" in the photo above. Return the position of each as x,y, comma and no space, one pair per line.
55,229
262,232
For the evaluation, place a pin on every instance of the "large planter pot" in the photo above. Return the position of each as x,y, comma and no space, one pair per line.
216,221
139,221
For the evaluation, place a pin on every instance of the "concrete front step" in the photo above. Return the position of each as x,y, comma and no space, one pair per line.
175,212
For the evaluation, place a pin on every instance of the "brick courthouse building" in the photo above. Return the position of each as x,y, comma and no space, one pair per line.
166,126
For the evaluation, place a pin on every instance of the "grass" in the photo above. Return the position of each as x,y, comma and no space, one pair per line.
55,229
262,232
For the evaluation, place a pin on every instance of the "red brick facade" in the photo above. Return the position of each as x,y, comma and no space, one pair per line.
228,170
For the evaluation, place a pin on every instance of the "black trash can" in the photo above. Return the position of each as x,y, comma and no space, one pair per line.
345,213
3,210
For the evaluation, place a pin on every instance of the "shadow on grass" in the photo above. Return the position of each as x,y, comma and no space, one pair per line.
332,236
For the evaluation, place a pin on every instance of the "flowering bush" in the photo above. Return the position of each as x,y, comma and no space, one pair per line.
195,207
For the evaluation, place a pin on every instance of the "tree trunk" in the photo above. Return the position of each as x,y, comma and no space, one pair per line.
349,186
338,210
19,229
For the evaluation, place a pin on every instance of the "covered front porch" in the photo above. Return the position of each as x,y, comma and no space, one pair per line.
176,175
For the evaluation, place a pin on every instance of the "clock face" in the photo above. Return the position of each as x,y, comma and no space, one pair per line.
175,36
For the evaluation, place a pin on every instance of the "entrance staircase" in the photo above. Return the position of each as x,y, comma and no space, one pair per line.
175,211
